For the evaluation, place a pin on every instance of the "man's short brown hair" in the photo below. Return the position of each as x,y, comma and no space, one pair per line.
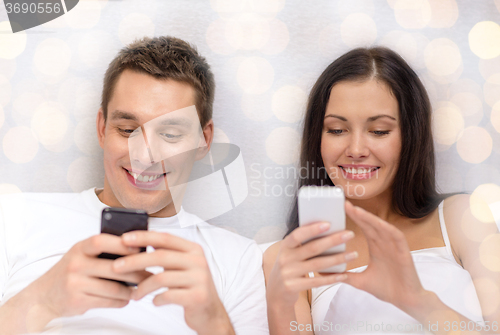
164,57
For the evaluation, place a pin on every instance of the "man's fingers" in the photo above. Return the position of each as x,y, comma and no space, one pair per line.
155,239
305,233
168,259
179,296
103,268
100,302
167,279
106,289
107,243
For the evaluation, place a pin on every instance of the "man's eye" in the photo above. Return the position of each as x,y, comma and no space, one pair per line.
335,131
170,136
127,132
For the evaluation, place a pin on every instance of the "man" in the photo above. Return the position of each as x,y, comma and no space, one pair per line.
50,276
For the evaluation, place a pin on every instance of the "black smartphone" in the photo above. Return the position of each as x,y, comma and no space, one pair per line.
117,221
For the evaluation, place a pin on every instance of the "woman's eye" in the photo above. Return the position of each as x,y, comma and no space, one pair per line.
381,132
335,131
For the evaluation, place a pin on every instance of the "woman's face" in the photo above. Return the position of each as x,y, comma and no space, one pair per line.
361,139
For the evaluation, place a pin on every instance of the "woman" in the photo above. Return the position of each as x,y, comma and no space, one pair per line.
368,130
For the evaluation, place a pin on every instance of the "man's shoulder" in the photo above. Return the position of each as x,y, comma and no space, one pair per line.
224,239
30,203
39,197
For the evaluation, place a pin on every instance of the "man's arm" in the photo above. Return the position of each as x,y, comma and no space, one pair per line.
21,313
71,287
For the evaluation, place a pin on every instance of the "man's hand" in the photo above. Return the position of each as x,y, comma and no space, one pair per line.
187,277
72,286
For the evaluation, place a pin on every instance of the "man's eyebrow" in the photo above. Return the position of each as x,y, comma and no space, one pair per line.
370,119
118,114
123,115
175,122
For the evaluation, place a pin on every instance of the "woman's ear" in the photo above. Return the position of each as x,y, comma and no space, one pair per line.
206,140
101,127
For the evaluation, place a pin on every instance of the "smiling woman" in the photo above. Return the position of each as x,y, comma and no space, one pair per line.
356,138
367,130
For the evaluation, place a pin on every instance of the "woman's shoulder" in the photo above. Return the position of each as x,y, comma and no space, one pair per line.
454,207
457,199
469,221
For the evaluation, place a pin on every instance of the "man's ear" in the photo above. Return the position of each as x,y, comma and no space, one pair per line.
208,135
101,127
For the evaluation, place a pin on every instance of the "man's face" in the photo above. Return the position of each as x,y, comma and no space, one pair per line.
150,139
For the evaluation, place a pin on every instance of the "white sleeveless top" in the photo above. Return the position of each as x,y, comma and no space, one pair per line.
343,309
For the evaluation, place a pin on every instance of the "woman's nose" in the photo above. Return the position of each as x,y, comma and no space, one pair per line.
357,147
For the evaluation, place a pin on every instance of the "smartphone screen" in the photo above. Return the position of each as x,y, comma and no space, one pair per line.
324,203
117,221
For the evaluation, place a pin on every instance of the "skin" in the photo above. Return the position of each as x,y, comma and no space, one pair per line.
145,100
74,285
377,236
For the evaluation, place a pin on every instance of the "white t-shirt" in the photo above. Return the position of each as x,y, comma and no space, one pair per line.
36,229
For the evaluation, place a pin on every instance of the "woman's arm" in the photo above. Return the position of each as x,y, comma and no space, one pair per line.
391,276
286,265
475,239
282,319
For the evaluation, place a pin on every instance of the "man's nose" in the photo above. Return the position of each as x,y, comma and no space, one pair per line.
357,147
139,149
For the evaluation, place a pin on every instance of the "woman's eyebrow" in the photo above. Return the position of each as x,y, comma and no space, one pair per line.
370,119
376,117
336,116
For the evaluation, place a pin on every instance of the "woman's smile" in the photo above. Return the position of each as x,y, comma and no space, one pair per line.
358,172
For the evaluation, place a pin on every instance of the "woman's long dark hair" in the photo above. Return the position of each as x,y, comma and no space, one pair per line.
414,188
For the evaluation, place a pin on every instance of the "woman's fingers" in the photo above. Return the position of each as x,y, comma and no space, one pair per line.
304,233
372,226
320,245
319,263
303,284
367,224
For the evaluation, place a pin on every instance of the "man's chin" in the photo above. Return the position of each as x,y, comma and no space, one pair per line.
148,204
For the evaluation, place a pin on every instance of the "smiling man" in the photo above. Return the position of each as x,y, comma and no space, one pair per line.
155,122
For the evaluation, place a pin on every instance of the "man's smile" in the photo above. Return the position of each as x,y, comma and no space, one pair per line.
145,179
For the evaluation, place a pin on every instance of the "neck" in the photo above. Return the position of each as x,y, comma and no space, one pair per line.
107,197
381,206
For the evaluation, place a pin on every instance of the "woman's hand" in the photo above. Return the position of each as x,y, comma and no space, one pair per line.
390,275
296,258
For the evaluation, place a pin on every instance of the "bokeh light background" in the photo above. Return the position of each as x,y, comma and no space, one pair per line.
266,55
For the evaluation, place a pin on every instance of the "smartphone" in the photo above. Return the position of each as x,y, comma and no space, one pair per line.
117,221
324,203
